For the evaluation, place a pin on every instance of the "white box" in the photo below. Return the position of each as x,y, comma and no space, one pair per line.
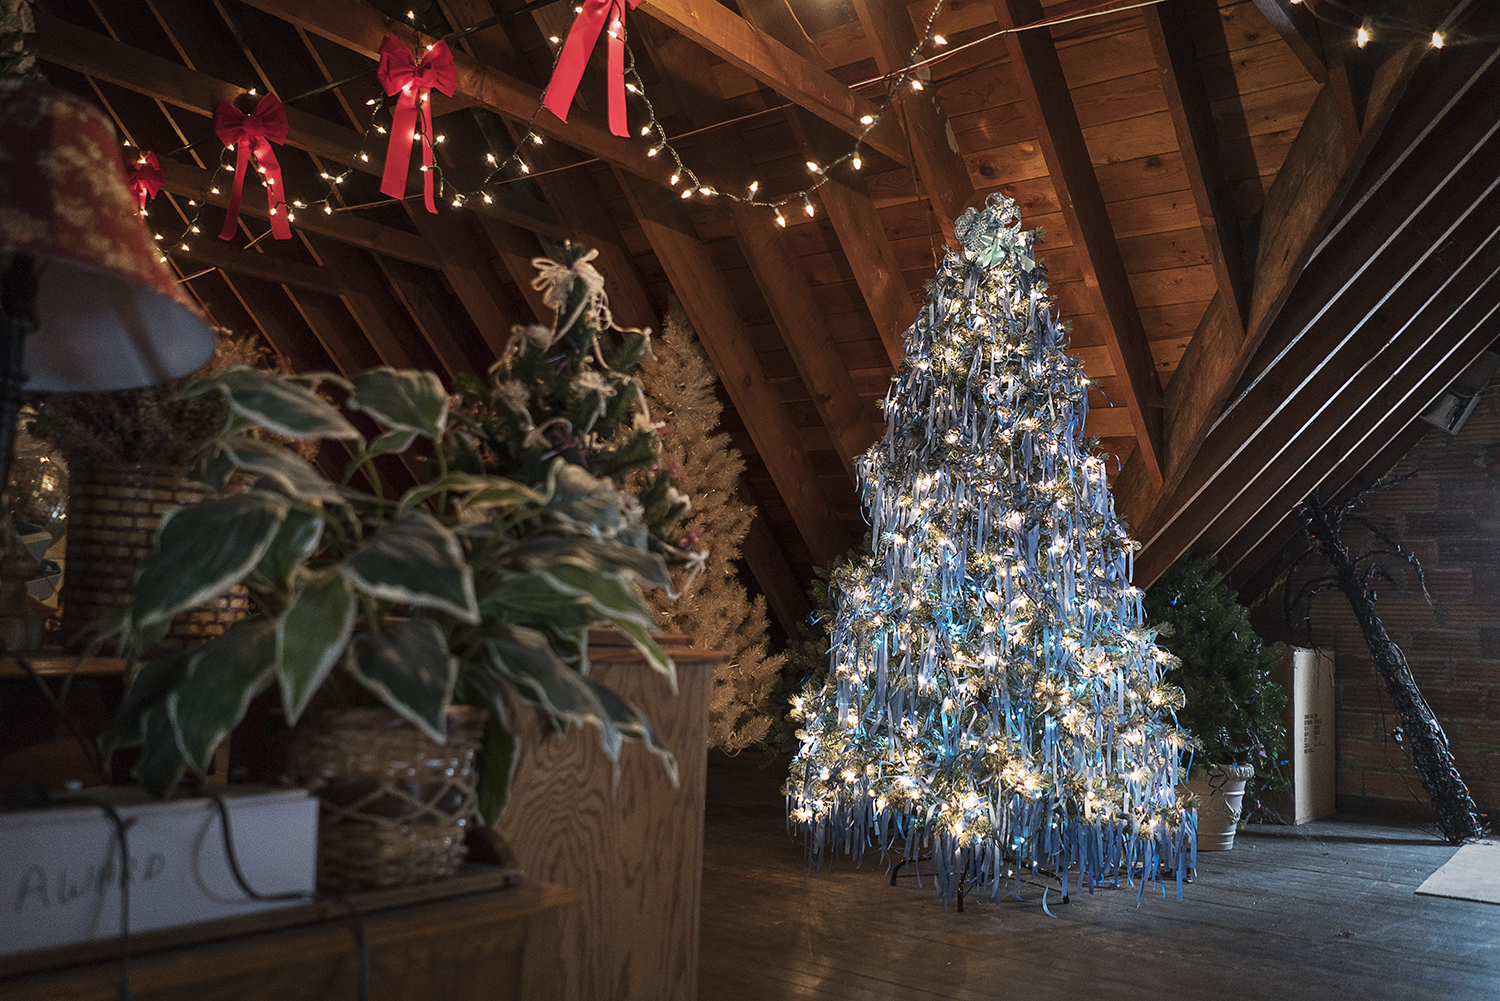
1310,735
59,876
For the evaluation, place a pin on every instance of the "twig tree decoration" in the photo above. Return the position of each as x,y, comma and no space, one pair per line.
1420,732
994,695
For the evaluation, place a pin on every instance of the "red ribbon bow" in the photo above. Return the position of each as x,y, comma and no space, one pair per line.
582,37
401,73
252,135
145,179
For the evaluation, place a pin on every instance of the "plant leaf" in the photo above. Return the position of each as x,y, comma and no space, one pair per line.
223,676
409,667
204,548
312,633
149,688
295,541
614,598
416,560
596,555
288,407
295,474
527,660
404,399
391,441
453,483
537,597
495,765
162,764
633,724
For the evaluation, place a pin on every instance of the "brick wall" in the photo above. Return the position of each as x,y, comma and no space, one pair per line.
1449,515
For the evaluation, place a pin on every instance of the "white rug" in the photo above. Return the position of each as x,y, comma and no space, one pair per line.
1473,873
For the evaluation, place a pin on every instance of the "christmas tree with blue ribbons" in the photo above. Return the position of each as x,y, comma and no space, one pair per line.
994,697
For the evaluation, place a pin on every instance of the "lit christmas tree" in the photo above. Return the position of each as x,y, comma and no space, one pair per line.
994,697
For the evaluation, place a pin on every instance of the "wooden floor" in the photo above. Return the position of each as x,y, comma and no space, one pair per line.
1322,911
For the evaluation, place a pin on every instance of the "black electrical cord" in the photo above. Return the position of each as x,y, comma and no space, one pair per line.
356,920
120,824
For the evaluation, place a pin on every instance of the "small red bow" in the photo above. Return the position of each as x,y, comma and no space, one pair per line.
582,37
145,179
252,135
401,73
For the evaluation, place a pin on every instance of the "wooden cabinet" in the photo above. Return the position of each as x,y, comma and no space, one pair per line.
633,849
485,935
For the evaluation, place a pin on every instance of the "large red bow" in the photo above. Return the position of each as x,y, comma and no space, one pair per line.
145,178
252,135
401,73
591,20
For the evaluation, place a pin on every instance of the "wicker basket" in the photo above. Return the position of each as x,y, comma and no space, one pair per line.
113,513
393,803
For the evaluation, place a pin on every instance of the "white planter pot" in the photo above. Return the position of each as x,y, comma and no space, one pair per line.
1220,792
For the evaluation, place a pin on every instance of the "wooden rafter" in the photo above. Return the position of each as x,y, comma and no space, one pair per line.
933,146
861,234
1299,29
1333,326
193,182
1301,207
1193,121
769,59
265,265
768,251
724,338
1039,77
88,52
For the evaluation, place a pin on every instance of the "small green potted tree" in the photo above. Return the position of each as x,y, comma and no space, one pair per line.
1233,709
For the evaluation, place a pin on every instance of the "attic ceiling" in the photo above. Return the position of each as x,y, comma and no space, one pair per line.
1273,248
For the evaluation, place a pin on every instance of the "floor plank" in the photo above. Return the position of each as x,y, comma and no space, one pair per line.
1326,910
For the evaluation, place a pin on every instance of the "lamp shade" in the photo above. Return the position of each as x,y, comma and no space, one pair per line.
109,314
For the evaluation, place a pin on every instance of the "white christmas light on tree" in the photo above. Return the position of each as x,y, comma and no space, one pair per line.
993,697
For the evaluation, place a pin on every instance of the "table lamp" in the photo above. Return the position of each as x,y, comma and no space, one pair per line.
85,301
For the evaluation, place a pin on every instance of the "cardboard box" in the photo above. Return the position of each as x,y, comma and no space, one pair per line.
59,875
1307,676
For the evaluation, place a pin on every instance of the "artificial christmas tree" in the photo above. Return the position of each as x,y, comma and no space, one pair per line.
994,697
712,606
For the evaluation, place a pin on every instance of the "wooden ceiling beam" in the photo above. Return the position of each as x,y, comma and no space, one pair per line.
1304,201
710,308
768,59
767,249
571,191
1299,29
861,234
1367,394
363,29
1039,78
93,54
1370,287
466,267
785,591
934,147
194,182
1381,420
1197,137
262,264
369,302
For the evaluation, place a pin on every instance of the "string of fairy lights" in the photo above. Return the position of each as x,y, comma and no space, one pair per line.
931,48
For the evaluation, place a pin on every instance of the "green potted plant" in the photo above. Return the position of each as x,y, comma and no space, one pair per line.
464,589
1233,709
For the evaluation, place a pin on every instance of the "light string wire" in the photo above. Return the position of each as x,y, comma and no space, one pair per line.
514,166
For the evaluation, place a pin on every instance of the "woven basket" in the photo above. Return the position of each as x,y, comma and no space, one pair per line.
393,803
113,513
